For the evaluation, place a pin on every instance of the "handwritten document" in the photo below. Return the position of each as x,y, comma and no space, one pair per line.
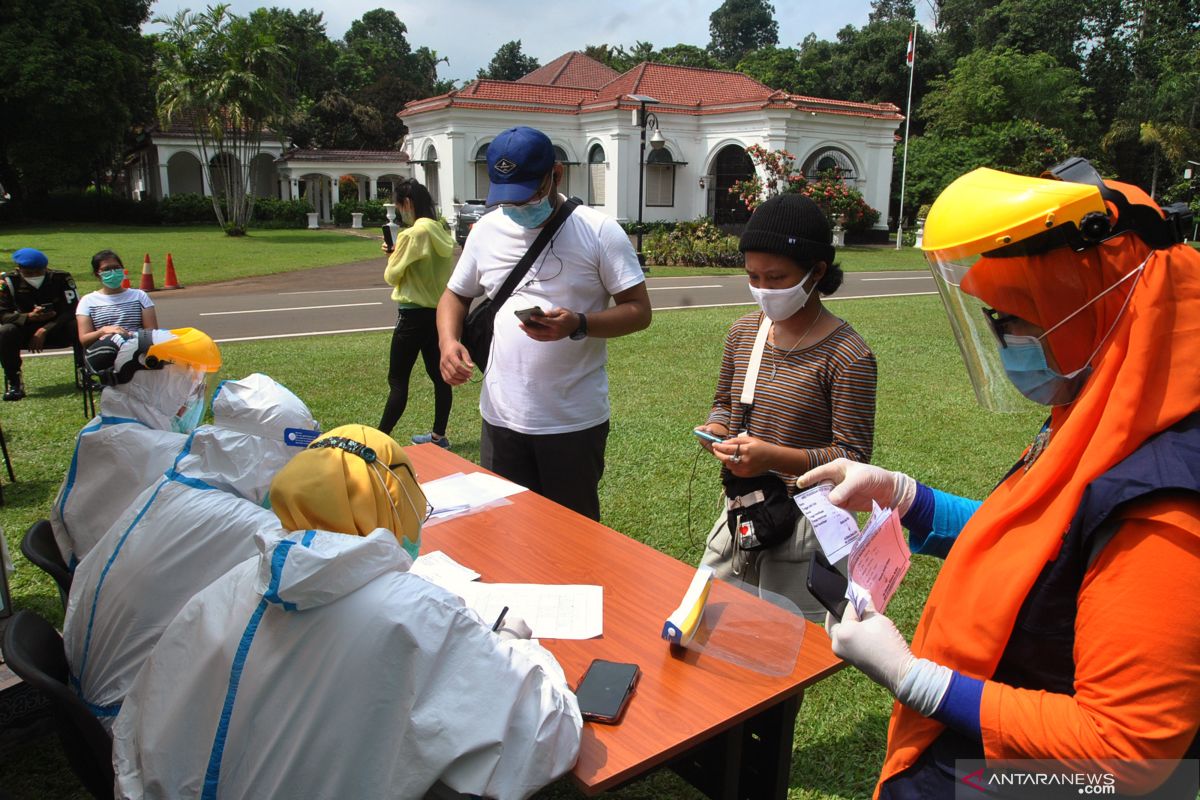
557,611
879,561
464,493
439,568
836,528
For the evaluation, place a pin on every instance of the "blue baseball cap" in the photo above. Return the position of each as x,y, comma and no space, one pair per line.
518,160
28,258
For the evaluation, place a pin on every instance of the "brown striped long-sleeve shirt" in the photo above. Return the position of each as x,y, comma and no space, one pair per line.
820,398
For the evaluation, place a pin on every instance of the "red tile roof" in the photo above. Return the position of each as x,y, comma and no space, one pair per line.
679,90
572,69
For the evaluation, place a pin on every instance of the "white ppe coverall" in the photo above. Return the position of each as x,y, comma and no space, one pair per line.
120,452
323,669
179,535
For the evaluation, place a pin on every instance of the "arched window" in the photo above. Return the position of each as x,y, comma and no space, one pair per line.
431,175
596,176
660,178
482,184
830,159
564,186
731,165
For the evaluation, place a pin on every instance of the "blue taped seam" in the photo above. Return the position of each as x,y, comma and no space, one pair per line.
212,775
87,640
309,535
195,483
277,561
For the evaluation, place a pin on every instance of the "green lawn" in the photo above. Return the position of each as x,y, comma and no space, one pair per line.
201,253
658,486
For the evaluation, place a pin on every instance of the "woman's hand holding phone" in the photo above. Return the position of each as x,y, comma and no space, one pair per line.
710,434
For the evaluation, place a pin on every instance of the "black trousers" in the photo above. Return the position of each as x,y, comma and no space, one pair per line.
564,467
15,338
415,334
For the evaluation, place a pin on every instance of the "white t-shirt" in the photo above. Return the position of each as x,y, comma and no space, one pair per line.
123,308
547,387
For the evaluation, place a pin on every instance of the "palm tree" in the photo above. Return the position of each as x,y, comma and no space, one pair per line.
224,77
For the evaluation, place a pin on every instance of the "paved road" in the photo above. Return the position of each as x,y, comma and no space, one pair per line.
352,298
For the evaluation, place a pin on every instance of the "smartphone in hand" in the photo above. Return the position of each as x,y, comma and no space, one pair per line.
387,237
827,585
706,436
605,690
527,315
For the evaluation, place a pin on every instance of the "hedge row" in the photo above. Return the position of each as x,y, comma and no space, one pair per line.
179,209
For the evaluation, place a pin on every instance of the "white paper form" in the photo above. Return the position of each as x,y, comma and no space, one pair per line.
836,529
553,611
462,493
442,570
879,561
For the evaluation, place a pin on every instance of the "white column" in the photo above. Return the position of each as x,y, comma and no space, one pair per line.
333,194
371,188
164,182
294,189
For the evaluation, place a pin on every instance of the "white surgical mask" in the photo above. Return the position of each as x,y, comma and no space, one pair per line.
781,304
36,282
406,216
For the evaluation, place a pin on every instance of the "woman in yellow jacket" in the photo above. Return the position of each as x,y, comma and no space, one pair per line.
417,270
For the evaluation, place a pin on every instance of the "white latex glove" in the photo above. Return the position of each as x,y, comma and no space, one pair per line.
514,627
856,485
872,644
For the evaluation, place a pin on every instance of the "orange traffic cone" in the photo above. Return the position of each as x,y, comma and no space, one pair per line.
170,281
147,276
125,284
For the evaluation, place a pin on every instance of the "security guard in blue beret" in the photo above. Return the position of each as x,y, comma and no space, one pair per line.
37,310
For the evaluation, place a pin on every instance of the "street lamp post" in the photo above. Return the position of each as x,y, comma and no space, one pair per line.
644,120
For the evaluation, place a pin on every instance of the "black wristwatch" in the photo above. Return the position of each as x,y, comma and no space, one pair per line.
581,331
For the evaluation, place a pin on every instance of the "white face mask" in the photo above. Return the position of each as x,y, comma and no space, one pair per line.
781,304
35,282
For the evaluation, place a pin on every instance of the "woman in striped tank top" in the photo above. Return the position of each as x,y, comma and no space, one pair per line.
814,397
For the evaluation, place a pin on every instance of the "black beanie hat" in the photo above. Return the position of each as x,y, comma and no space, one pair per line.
790,225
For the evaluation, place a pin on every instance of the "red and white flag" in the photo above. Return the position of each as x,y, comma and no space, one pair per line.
908,56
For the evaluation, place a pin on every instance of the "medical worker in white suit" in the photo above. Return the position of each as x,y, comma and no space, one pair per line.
154,396
322,668
179,535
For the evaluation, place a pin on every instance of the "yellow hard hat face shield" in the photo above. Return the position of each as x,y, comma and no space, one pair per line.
999,216
189,347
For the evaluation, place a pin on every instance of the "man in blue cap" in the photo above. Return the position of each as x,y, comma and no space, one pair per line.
37,310
545,390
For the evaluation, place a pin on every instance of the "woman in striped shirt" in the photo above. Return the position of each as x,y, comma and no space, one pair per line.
814,397
112,309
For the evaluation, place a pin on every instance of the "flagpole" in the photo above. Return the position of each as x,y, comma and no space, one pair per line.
912,68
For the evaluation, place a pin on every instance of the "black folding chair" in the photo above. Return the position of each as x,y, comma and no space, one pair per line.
7,463
41,549
34,651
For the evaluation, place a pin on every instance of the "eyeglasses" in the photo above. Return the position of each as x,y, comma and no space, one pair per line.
998,321
111,268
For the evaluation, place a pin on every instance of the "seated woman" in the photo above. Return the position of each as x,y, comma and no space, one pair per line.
179,535
1060,626
155,392
323,668
111,309
813,400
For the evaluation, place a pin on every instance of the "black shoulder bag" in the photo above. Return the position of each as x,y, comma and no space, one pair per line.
480,323
761,515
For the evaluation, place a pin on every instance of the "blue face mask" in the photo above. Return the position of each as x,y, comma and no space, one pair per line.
1025,363
530,215
190,418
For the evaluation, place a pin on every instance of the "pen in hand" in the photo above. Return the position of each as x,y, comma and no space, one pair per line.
500,619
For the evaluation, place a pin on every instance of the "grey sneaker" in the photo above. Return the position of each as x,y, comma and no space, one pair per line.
426,438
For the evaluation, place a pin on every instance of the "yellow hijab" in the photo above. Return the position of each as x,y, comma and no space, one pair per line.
331,487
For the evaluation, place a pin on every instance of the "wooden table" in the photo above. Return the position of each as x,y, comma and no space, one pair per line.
726,729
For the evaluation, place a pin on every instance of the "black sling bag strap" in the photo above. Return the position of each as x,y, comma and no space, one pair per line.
480,323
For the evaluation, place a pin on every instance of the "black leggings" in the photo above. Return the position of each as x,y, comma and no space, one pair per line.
416,332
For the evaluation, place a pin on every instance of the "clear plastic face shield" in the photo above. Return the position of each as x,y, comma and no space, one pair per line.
1016,256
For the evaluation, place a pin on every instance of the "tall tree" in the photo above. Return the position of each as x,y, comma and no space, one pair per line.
509,63
739,26
225,78
72,80
686,55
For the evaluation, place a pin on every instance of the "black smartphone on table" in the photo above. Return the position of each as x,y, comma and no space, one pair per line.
827,585
605,690
387,237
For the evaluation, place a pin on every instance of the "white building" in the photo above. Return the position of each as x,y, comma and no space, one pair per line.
707,118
